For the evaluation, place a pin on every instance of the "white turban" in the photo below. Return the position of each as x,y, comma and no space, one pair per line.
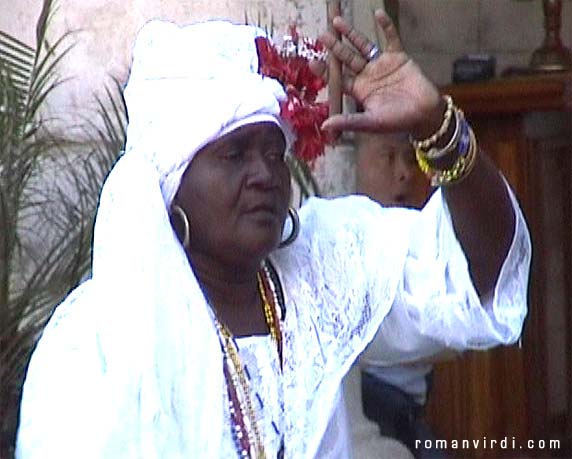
188,86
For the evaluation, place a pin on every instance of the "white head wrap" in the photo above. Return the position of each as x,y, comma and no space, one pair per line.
188,86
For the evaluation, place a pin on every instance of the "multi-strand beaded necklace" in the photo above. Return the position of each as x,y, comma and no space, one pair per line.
244,425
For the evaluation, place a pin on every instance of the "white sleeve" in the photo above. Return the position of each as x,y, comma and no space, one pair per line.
436,305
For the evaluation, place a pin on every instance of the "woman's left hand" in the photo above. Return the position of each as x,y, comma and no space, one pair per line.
397,96
394,93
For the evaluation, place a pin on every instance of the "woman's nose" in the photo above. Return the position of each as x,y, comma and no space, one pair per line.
260,172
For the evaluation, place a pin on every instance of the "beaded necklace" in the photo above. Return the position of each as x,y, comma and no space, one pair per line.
245,430
267,290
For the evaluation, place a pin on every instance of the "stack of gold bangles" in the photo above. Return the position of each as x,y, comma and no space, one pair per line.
459,153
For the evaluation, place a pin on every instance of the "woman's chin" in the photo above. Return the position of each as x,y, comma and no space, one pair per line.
259,247
268,246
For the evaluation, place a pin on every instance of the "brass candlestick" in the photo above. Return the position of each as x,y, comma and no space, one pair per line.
552,56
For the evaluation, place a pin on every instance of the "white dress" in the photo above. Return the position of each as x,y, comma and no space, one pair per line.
130,364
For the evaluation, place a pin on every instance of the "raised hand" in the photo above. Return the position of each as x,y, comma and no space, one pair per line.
394,93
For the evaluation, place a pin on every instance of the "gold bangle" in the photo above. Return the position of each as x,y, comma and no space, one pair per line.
457,171
430,141
423,163
436,153
460,169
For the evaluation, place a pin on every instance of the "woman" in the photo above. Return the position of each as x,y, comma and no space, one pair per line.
211,340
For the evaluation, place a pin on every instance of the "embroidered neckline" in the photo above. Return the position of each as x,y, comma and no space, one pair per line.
244,424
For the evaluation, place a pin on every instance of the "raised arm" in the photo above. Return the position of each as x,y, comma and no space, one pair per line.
397,96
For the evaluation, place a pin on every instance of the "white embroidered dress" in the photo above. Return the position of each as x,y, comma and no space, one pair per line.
135,370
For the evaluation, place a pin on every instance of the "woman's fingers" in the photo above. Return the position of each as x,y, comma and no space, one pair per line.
345,53
363,44
392,40
350,122
368,82
320,68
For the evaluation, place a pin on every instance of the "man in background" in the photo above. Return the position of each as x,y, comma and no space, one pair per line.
388,171
394,397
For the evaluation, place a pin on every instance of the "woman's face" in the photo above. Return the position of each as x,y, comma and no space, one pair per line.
236,192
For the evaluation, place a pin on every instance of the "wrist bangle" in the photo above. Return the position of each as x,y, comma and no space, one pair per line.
460,130
430,141
458,170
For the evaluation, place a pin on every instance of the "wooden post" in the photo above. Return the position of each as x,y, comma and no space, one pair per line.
334,65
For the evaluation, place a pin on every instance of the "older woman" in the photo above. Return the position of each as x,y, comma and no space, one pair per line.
200,334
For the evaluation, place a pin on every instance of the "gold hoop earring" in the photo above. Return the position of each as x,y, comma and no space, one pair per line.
293,214
178,210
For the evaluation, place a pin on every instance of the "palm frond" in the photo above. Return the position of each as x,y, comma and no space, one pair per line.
49,187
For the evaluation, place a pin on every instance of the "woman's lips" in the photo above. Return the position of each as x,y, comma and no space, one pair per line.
263,211
263,208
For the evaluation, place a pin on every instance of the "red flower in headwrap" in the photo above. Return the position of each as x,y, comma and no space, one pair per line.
290,67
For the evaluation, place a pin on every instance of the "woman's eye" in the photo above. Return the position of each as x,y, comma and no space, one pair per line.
235,153
276,154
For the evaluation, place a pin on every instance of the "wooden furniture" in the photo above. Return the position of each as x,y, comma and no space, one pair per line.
523,392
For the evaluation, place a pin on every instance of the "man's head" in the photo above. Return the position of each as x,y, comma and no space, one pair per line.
387,170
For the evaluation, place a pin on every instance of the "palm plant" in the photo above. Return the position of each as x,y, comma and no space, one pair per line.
49,185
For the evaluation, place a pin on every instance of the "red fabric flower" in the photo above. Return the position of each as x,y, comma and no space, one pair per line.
300,108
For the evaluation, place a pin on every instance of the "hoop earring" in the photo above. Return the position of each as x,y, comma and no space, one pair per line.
181,213
293,214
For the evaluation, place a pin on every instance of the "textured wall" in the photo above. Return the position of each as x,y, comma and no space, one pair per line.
104,31
434,31
437,31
